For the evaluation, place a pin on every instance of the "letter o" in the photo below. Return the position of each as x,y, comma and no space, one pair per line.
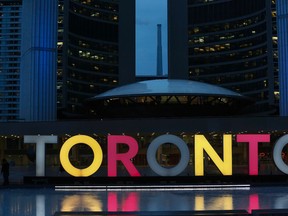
277,152
152,161
93,144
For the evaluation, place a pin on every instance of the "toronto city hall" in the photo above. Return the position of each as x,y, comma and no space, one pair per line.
67,69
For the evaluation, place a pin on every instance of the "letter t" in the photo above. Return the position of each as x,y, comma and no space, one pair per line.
253,140
40,150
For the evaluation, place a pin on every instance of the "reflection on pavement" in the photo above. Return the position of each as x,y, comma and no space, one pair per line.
123,203
45,202
78,202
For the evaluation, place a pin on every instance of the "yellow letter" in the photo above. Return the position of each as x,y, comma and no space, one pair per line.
202,144
93,144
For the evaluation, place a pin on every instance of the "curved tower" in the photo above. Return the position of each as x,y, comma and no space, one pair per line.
230,44
92,47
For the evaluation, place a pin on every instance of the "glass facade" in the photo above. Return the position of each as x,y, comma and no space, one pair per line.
10,53
91,49
229,45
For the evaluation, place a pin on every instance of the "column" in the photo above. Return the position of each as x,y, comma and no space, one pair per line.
282,31
38,60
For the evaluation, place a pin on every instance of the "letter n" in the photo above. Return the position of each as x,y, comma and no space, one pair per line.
201,145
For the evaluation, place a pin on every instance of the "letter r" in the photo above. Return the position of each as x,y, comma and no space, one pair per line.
125,158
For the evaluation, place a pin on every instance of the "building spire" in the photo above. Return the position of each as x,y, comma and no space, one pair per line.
159,51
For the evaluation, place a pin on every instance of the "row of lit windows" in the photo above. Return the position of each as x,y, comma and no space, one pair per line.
93,56
235,56
219,27
227,36
95,45
91,89
94,13
239,77
109,6
237,46
245,87
224,10
258,62
228,68
93,78
92,67
210,49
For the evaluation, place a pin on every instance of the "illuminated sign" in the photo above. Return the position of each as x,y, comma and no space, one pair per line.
201,145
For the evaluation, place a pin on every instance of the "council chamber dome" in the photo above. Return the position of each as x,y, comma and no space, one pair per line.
167,98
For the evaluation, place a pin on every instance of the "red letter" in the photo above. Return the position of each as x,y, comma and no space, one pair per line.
125,158
253,140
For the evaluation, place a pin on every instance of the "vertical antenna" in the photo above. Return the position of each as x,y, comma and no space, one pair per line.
159,51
